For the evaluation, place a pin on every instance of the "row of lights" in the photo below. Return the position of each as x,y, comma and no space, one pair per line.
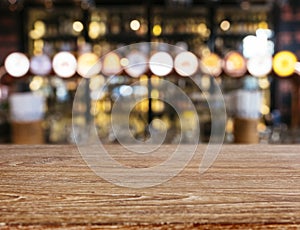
161,63
225,25
98,28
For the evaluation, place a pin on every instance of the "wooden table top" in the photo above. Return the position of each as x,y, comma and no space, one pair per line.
247,187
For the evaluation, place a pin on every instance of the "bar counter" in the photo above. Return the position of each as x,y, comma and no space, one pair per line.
247,187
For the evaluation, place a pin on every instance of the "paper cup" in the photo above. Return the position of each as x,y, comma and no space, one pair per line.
27,132
26,111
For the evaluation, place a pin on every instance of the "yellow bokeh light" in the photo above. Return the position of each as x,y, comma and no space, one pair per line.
155,94
207,33
142,106
157,106
205,51
36,83
77,26
96,29
97,49
104,106
144,80
159,124
37,52
135,25
39,43
94,108
124,62
39,28
225,25
156,30
35,34
201,28
155,80
167,122
264,83
39,25
284,63
229,126
265,109
38,31
263,25
38,46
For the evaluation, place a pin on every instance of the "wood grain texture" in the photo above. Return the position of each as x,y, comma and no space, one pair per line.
247,187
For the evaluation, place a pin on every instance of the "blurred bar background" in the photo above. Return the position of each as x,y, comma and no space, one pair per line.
238,43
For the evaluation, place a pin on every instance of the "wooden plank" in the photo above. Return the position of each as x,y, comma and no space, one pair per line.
247,187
